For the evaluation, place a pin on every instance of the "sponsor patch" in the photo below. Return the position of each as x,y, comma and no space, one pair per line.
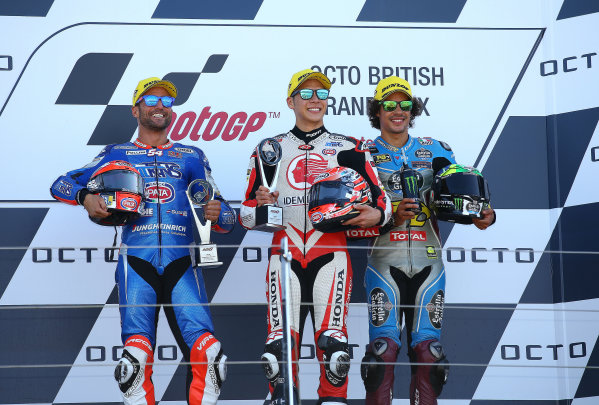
185,150
174,154
330,152
183,213
394,182
228,218
379,307
302,172
316,217
162,192
387,146
435,309
400,236
137,152
362,232
421,164
163,227
64,187
425,141
423,153
109,200
431,252
378,159
306,147
129,204
473,207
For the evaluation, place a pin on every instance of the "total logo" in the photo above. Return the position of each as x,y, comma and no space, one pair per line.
208,126
405,235
164,192
302,172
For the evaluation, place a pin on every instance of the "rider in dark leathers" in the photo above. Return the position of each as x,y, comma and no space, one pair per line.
156,260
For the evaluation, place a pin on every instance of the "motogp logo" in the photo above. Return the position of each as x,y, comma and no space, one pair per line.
163,193
302,172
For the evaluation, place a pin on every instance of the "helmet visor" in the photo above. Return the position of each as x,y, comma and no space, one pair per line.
467,184
122,180
329,192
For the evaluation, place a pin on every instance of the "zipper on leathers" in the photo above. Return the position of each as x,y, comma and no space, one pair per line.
159,211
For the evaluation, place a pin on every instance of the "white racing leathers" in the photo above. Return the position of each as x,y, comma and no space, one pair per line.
321,270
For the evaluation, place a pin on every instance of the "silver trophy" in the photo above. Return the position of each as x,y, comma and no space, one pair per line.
269,217
199,192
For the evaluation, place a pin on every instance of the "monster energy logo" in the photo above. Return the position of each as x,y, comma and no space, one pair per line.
458,202
412,185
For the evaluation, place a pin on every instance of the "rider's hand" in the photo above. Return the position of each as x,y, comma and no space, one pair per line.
486,221
95,206
212,210
368,217
263,196
403,213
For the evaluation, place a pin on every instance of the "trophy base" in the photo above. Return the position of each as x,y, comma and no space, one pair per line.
208,256
212,264
269,227
269,218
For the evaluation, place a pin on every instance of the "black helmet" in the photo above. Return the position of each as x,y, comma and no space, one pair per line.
332,198
122,188
459,193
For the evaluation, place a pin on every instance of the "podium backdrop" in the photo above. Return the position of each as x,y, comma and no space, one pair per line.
511,85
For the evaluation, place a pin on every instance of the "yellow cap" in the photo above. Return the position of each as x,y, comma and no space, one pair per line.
390,85
146,84
298,78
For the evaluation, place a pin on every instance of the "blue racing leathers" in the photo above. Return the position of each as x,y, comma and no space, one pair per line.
405,266
405,278
156,261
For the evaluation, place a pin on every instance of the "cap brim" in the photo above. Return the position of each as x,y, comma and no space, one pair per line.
395,91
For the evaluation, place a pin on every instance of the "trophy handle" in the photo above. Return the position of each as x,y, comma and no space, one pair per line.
203,230
275,178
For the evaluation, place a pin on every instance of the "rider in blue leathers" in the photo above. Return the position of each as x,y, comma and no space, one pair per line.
149,274
405,274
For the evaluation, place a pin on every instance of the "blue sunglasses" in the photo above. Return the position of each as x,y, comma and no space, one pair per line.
151,101
306,94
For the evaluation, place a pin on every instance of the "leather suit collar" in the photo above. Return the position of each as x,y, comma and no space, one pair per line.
392,148
308,137
144,146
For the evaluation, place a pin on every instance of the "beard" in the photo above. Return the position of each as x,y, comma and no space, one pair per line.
147,121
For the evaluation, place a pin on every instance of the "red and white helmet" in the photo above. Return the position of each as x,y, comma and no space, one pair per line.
122,188
333,196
